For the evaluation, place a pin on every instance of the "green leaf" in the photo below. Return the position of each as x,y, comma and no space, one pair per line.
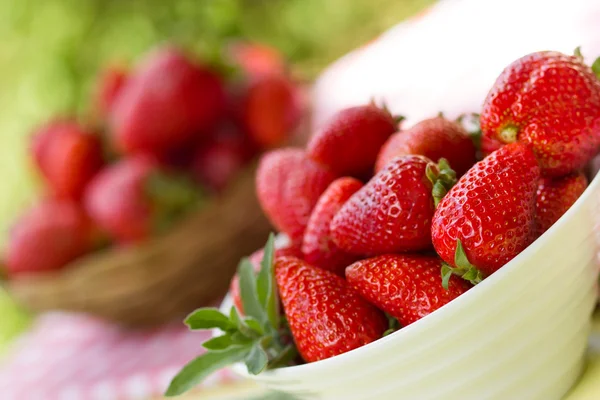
257,360
194,372
208,318
239,338
264,281
266,286
460,257
242,327
254,325
252,306
596,67
218,343
446,274
577,52
284,357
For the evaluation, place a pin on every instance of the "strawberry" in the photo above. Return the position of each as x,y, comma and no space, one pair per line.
487,218
255,259
47,238
326,316
167,101
257,59
270,110
555,197
317,247
216,161
288,185
433,138
68,156
489,145
550,101
134,198
350,141
393,211
109,86
406,286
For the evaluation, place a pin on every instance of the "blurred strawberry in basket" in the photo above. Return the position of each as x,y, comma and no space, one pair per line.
167,100
49,236
109,86
170,135
68,156
134,199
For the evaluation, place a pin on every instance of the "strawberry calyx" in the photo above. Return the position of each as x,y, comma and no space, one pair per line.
577,52
463,268
442,177
171,196
260,339
393,325
596,67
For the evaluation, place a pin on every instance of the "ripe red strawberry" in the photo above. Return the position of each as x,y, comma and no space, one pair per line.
393,211
256,59
47,238
489,145
406,286
288,185
555,197
326,316
270,110
256,258
134,198
350,141
68,156
216,161
110,83
318,247
165,103
433,138
490,212
550,101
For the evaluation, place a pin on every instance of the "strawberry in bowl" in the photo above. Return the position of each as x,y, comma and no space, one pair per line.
492,271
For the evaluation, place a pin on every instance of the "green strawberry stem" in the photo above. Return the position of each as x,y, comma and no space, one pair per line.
171,196
577,52
463,268
442,177
256,339
596,67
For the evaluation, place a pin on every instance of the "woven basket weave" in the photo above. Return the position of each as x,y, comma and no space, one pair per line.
162,279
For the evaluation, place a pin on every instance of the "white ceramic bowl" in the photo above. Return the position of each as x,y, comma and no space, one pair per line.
521,334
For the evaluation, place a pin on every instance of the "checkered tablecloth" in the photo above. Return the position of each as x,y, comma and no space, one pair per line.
66,356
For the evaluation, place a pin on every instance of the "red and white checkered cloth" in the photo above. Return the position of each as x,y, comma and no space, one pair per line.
66,356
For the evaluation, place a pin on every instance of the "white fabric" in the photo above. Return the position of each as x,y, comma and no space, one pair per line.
448,59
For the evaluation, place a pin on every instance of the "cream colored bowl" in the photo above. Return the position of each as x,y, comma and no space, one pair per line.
520,334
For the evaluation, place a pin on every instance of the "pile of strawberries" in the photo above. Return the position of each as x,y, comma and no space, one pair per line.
161,140
387,225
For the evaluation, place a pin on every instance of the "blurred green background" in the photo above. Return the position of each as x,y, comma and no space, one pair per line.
51,50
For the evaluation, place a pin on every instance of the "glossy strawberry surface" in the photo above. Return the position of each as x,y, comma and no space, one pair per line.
555,197
288,185
491,210
318,247
350,141
433,138
326,316
406,286
391,213
550,101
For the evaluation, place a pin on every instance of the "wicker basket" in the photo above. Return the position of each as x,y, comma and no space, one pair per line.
162,279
